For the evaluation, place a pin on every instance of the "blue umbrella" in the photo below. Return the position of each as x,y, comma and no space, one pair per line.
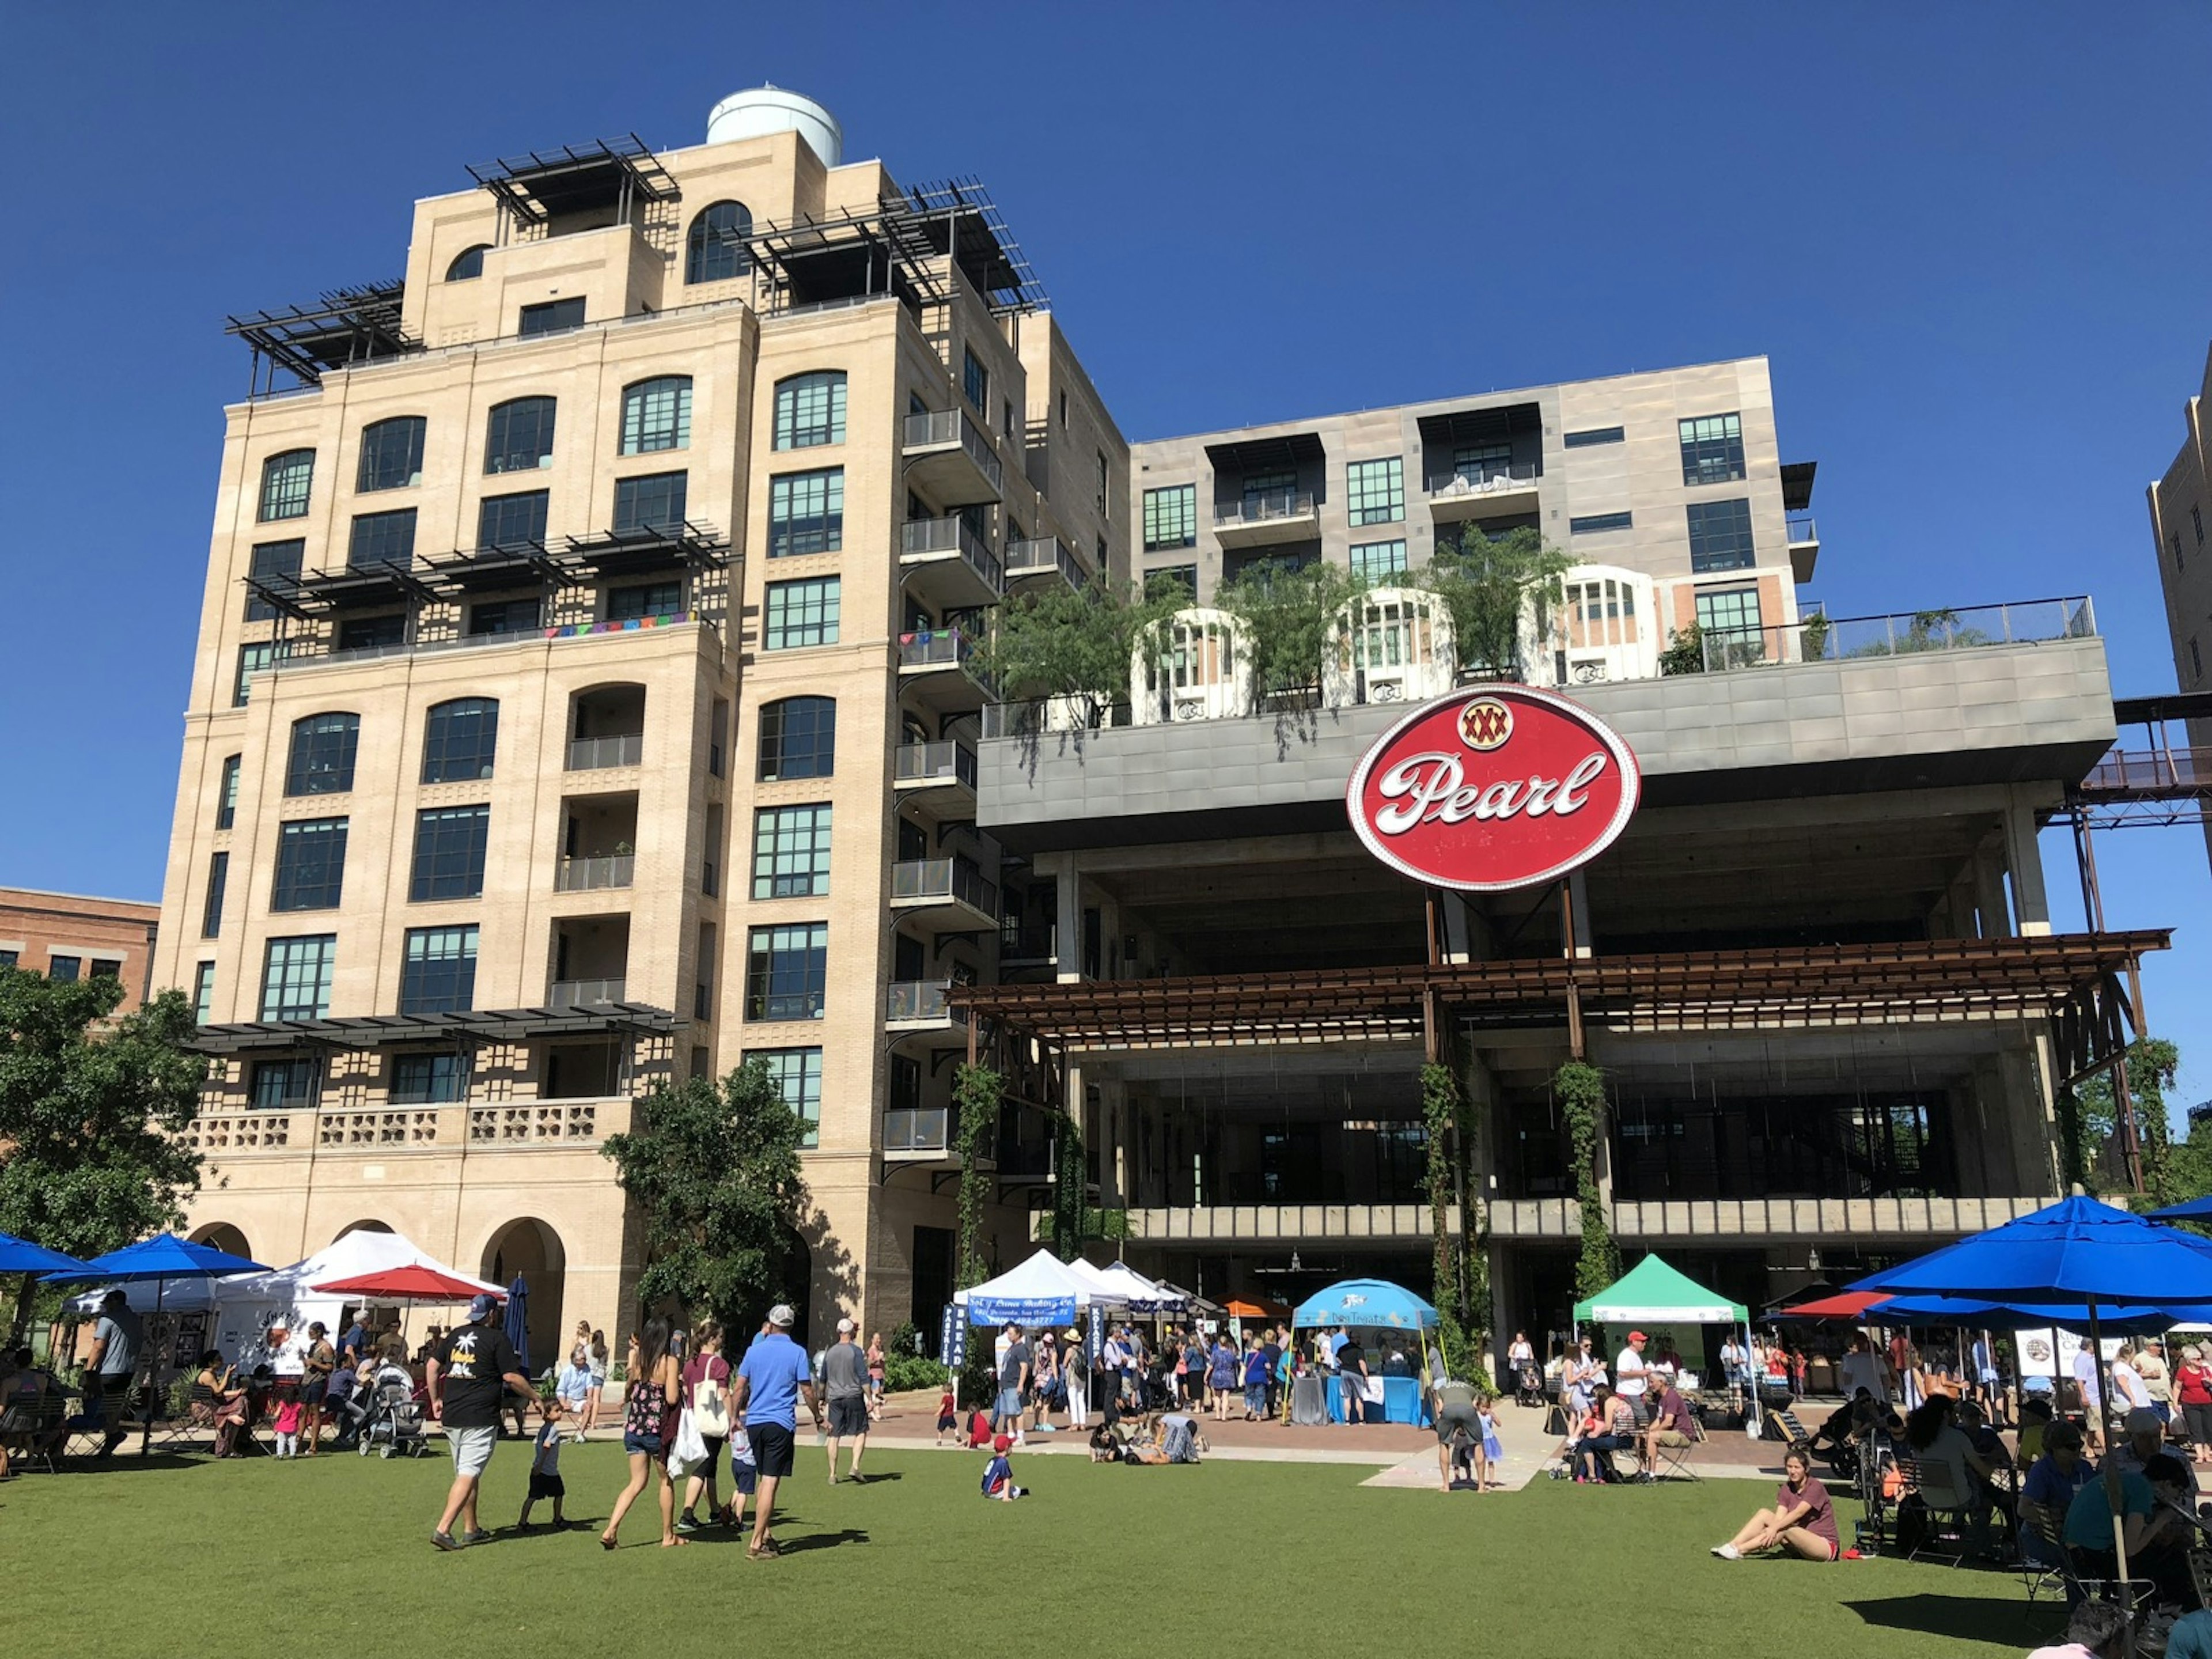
2197,1209
517,1323
20,1256
1368,1302
2131,1318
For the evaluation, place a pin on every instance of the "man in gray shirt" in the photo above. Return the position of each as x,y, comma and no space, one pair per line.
845,1381
114,1356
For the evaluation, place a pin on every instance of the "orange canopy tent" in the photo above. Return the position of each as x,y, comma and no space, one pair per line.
1239,1307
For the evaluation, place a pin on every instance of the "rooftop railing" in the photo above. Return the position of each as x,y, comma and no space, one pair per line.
1483,478
1843,639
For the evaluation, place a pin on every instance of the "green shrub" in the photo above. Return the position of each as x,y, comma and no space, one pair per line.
905,1372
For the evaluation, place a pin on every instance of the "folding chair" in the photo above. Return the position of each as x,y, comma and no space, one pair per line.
1949,1513
1781,1424
33,1432
1675,1460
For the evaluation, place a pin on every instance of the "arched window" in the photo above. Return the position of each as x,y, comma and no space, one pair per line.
286,483
468,264
716,248
810,409
461,740
323,748
657,415
392,453
797,739
520,436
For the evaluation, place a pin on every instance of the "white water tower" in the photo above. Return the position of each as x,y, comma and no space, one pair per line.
760,111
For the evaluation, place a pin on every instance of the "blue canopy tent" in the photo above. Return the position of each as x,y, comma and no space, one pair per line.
2197,1209
1373,1304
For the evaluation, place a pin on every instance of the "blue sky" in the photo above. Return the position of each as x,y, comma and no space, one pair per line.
1973,241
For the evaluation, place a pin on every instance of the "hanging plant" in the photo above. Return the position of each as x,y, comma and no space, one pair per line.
1580,1090
1070,1174
1440,1111
975,1093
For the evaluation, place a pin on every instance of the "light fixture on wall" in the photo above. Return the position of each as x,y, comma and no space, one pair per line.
1297,1266
1813,1259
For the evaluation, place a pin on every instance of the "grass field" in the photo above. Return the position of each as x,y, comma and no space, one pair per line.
183,1556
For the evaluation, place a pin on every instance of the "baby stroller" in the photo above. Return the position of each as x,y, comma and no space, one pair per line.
391,1422
1158,1388
1528,1387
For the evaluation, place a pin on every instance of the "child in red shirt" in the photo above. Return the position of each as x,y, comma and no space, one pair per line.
948,1418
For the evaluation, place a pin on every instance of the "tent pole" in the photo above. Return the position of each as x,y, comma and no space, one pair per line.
153,1377
2112,1480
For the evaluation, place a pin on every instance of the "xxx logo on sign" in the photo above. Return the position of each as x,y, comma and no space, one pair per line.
1492,788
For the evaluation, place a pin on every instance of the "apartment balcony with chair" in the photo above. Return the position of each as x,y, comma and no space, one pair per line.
945,895
948,566
938,778
1482,462
950,459
1257,517
917,1133
918,1008
1043,559
937,668
1483,489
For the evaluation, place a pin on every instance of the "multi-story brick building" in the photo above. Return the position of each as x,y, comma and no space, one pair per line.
70,936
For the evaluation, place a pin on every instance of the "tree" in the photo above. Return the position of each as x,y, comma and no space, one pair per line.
1488,584
1076,643
90,1116
2171,1173
977,1092
1288,617
714,1170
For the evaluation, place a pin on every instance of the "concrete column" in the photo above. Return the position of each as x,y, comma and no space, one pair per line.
1988,873
1068,935
2024,860
1578,891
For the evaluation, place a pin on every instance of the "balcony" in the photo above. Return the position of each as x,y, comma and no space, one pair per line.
584,993
918,1008
1043,559
950,459
1826,639
1804,545
937,665
596,754
945,895
939,778
1487,490
910,1130
946,565
590,874
1027,945
1267,516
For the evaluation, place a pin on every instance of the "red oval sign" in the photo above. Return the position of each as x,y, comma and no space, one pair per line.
1491,787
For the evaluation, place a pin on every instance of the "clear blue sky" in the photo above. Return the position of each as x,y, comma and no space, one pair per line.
1973,239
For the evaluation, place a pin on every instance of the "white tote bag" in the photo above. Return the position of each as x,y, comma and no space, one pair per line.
690,1450
710,1410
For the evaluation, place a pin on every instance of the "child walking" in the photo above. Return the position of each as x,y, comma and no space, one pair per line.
291,1415
745,1475
948,1417
999,1474
1489,1450
545,1464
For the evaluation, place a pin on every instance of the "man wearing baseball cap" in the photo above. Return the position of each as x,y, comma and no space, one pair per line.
470,1367
845,1386
771,1377
1628,1369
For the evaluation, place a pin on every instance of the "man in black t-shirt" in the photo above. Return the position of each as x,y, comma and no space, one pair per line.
1352,1377
469,1370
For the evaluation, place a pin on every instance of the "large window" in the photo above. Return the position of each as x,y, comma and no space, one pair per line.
392,453
1375,562
1590,437
810,409
1376,490
310,865
1171,517
226,805
806,512
382,538
657,415
791,852
1720,536
786,969
1183,576
1591,524
375,633
459,740
519,438
296,978
1712,449
553,317
63,970
715,250
649,599
286,481
799,1074
252,660
653,502
428,1079
277,563
513,521
449,853
439,973
1735,608
496,617
203,993
798,739
281,1084
218,883
468,264
800,613
323,749
975,379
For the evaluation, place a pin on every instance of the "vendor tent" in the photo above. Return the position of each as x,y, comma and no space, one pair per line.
1653,1293
1364,1304
1138,1293
249,1301
1040,1291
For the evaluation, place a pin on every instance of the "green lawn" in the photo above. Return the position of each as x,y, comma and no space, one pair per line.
184,1556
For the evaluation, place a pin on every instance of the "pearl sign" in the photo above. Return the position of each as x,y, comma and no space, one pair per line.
1493,787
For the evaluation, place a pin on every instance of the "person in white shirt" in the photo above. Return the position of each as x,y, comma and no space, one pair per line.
2085,1379
1628,1369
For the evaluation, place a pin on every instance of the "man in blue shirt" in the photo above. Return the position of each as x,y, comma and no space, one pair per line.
771,1377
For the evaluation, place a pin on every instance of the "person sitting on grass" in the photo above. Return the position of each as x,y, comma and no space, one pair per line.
999,1474
979,1428
1802,1522
2098,1629
1105,1444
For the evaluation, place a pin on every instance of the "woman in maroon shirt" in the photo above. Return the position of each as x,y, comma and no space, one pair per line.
1802,1521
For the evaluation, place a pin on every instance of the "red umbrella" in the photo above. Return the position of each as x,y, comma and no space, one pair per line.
415,1283
1849,1305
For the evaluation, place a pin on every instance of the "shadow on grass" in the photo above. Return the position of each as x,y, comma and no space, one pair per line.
820,1541
1966,1618
127,1463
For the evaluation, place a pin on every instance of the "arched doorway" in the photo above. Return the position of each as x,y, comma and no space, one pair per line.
221,1236
360,1227
527,1246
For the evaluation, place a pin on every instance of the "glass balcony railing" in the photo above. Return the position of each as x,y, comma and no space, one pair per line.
945,428
1483,478
944,881
1265,506
593,754
945,762
1043,556
938,647
583,993
920,1000
916,1129
587,875
1845,639
919,539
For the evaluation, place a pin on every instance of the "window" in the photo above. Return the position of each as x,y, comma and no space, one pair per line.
799,1075
382,538
2196,661
1720,536
218,880
286,481
323,749
1712,449
791,852
449,853
512,521
657,415
8,958
428,1079
107,967
806,512
654,599
503,617
295,977
553,317
1374,562
1482,463
1104,511
372,633
1184,575
715,250
1377,489
1594,522
2173,541
1171,517
521,437
392,453
252,660
1589,437
2196,518
975,379
810,409
1006,425
438,975
798,739
1063,411
653,502
226,808
459,740
277,563
203,993
786,971
63,970
1265,492
800,613
279,1084
310,865
468,264
1735,608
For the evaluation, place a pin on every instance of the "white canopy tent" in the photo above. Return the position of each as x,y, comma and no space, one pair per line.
1041,1291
